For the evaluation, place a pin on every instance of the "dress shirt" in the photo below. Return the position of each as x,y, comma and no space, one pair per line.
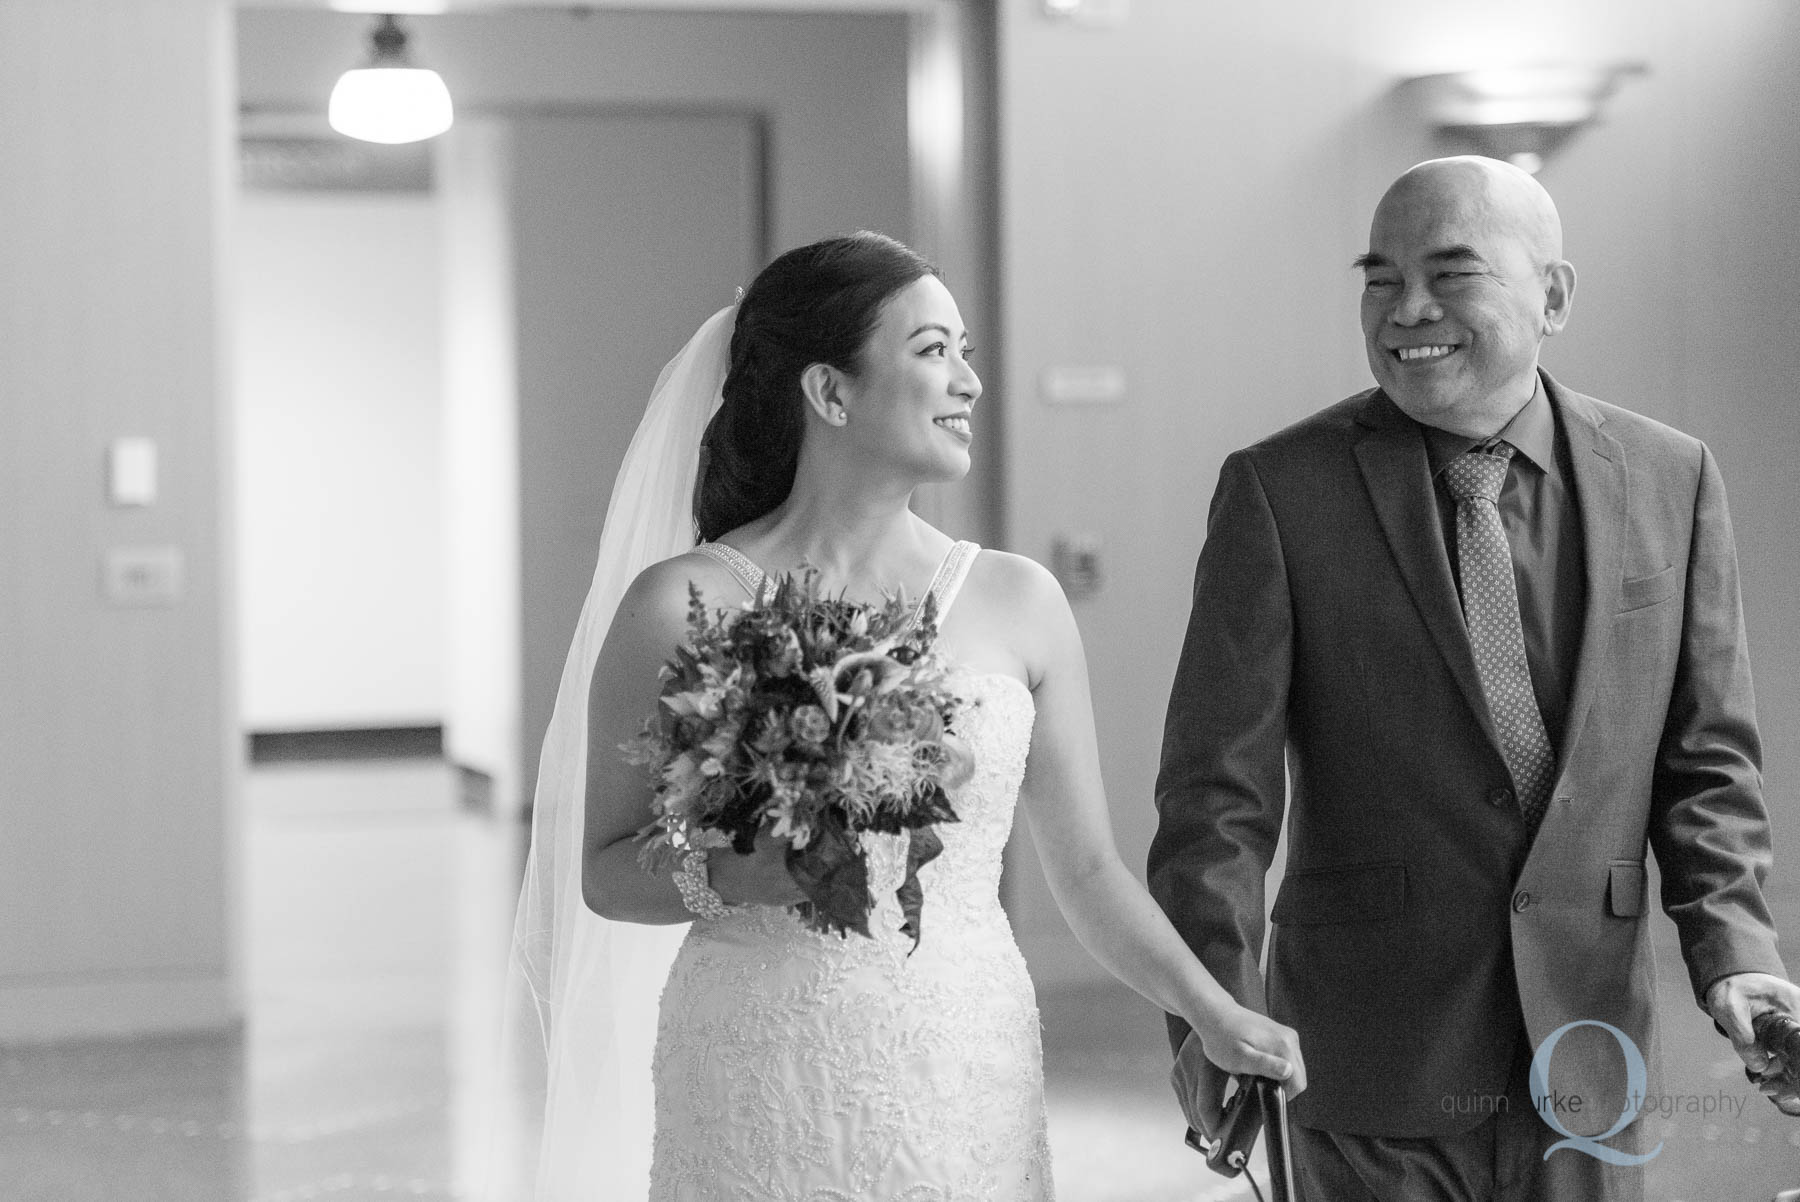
1542,518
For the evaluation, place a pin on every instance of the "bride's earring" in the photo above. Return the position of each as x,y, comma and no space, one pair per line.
820,386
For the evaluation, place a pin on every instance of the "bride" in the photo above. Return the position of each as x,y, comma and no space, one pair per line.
789,1064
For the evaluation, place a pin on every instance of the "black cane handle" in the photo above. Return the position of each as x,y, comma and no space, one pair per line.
1257,1106
1779,1036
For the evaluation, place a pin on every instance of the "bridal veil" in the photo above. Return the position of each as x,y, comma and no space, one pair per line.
582,992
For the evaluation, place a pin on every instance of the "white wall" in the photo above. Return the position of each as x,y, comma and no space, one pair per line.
117,775
1182,197
340,481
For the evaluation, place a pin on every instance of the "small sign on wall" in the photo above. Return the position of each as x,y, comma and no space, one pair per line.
1083,384
1096,14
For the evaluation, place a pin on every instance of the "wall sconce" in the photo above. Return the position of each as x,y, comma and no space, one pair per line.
1520,114
390,100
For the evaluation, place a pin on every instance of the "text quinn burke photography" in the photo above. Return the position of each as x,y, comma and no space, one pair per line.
1554,1105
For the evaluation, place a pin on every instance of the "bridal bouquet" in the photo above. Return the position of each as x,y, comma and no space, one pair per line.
818,720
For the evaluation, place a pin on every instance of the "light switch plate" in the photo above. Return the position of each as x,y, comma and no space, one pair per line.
131,471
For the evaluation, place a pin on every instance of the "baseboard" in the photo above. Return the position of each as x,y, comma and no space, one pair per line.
113,1008
361,743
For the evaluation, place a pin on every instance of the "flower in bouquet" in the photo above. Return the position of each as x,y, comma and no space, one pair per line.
817,720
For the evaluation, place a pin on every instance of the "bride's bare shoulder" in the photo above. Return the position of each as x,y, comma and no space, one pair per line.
1013,610
1015,583
660,594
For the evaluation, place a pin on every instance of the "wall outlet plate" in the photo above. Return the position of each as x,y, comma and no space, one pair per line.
142,576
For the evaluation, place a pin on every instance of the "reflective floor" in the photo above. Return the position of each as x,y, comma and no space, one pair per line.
376,912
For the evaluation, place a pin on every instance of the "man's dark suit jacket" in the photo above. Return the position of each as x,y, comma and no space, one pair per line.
1418,932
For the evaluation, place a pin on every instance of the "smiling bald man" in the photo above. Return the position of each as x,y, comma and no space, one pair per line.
1478,638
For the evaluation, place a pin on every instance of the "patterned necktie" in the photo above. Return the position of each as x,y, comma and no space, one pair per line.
1490,602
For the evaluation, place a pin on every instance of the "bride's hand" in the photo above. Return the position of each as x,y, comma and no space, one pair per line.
1239,1040
758,879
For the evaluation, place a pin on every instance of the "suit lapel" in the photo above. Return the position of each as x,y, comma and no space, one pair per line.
1397,474
1598,463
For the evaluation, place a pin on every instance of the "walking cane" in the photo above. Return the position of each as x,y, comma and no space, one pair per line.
1275,1142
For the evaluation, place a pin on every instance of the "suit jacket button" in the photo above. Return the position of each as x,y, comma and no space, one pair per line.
1521,899
1501,796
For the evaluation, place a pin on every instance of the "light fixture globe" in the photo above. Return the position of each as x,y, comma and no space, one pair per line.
390,104
390,100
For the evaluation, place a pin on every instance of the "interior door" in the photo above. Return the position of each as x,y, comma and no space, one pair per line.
630,230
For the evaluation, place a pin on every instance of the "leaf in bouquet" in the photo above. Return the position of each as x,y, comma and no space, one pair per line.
922,847
683,671
933,806
833,873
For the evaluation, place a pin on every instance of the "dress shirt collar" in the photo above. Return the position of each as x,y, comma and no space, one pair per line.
1532,433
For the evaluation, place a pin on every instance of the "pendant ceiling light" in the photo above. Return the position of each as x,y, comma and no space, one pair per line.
390,100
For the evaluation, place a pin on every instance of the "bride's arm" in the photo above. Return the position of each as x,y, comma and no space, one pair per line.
651,621
1106,906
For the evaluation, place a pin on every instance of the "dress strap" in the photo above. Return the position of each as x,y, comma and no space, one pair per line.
949,579
753,578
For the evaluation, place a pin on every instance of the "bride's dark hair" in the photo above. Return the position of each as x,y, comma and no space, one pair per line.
815,304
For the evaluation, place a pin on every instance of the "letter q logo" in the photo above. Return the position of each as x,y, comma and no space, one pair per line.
1635,1081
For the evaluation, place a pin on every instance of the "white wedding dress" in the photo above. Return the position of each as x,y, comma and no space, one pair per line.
795,1066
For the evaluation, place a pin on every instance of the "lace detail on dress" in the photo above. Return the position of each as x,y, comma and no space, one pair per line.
795,1066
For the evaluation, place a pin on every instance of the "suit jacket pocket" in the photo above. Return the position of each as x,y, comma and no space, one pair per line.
1359,893
1626,887
1646,591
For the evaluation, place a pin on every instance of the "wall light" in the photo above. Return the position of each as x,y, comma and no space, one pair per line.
1521,114
390,100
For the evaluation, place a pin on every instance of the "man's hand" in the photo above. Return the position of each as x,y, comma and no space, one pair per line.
1734,1003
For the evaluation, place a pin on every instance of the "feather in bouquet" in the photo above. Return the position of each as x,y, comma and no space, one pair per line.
817,720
